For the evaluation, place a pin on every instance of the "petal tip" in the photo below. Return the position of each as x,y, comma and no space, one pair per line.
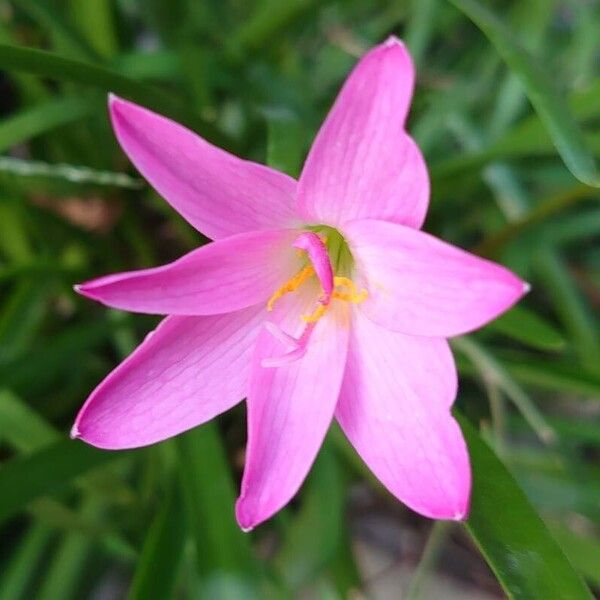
526,287
86,290
392,41
460,515
75,433
244,521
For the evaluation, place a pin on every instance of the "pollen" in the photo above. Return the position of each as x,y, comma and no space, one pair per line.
291,286
352,295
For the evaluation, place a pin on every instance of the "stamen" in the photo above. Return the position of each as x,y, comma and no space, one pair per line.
298,346
290,286
314,247
316,315
353,296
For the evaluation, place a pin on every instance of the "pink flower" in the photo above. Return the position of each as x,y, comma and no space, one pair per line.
318,298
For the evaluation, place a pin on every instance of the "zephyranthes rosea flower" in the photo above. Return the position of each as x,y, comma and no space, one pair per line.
318,298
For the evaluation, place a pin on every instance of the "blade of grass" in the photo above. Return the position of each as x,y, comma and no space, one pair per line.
571,307
72,173
313,536
65,36
66,569
47,471
94,19
550,105
14,238
44,117
510,534
421,27
553,376
48,64
224,556
21,426
15,580
433,547
286,141
493,245
583,551
20,316
529,328
493,371
162,554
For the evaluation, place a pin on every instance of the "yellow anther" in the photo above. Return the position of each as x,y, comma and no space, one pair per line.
289,286
354,298
353,295
316,315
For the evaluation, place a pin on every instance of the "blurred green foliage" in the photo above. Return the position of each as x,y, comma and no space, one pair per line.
506,112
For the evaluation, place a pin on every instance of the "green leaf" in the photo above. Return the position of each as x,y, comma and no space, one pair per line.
314,536
571,305
66,568
491,370
223,551
64,35
583,551
20,317
550,105
286,141
96,22
266,22
44,117
552,375
527,327
158,566
46,471
45,365
25,558
21,426
48,64
510,534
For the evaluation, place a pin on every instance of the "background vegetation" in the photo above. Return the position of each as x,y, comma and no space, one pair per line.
506,111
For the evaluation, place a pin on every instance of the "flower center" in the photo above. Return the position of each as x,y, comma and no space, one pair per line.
332,287
318,249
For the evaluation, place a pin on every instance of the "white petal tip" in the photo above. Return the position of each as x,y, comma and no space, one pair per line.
526,287
75,433
246,529
393,41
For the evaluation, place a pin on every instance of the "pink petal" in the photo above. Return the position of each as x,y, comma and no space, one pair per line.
420,285
290,408
222,276
395,409
218,193
184,373
362,163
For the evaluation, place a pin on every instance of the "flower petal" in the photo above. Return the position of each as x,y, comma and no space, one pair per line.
222,276
420,285
395,409
184,373
290,408
362,163
218,193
